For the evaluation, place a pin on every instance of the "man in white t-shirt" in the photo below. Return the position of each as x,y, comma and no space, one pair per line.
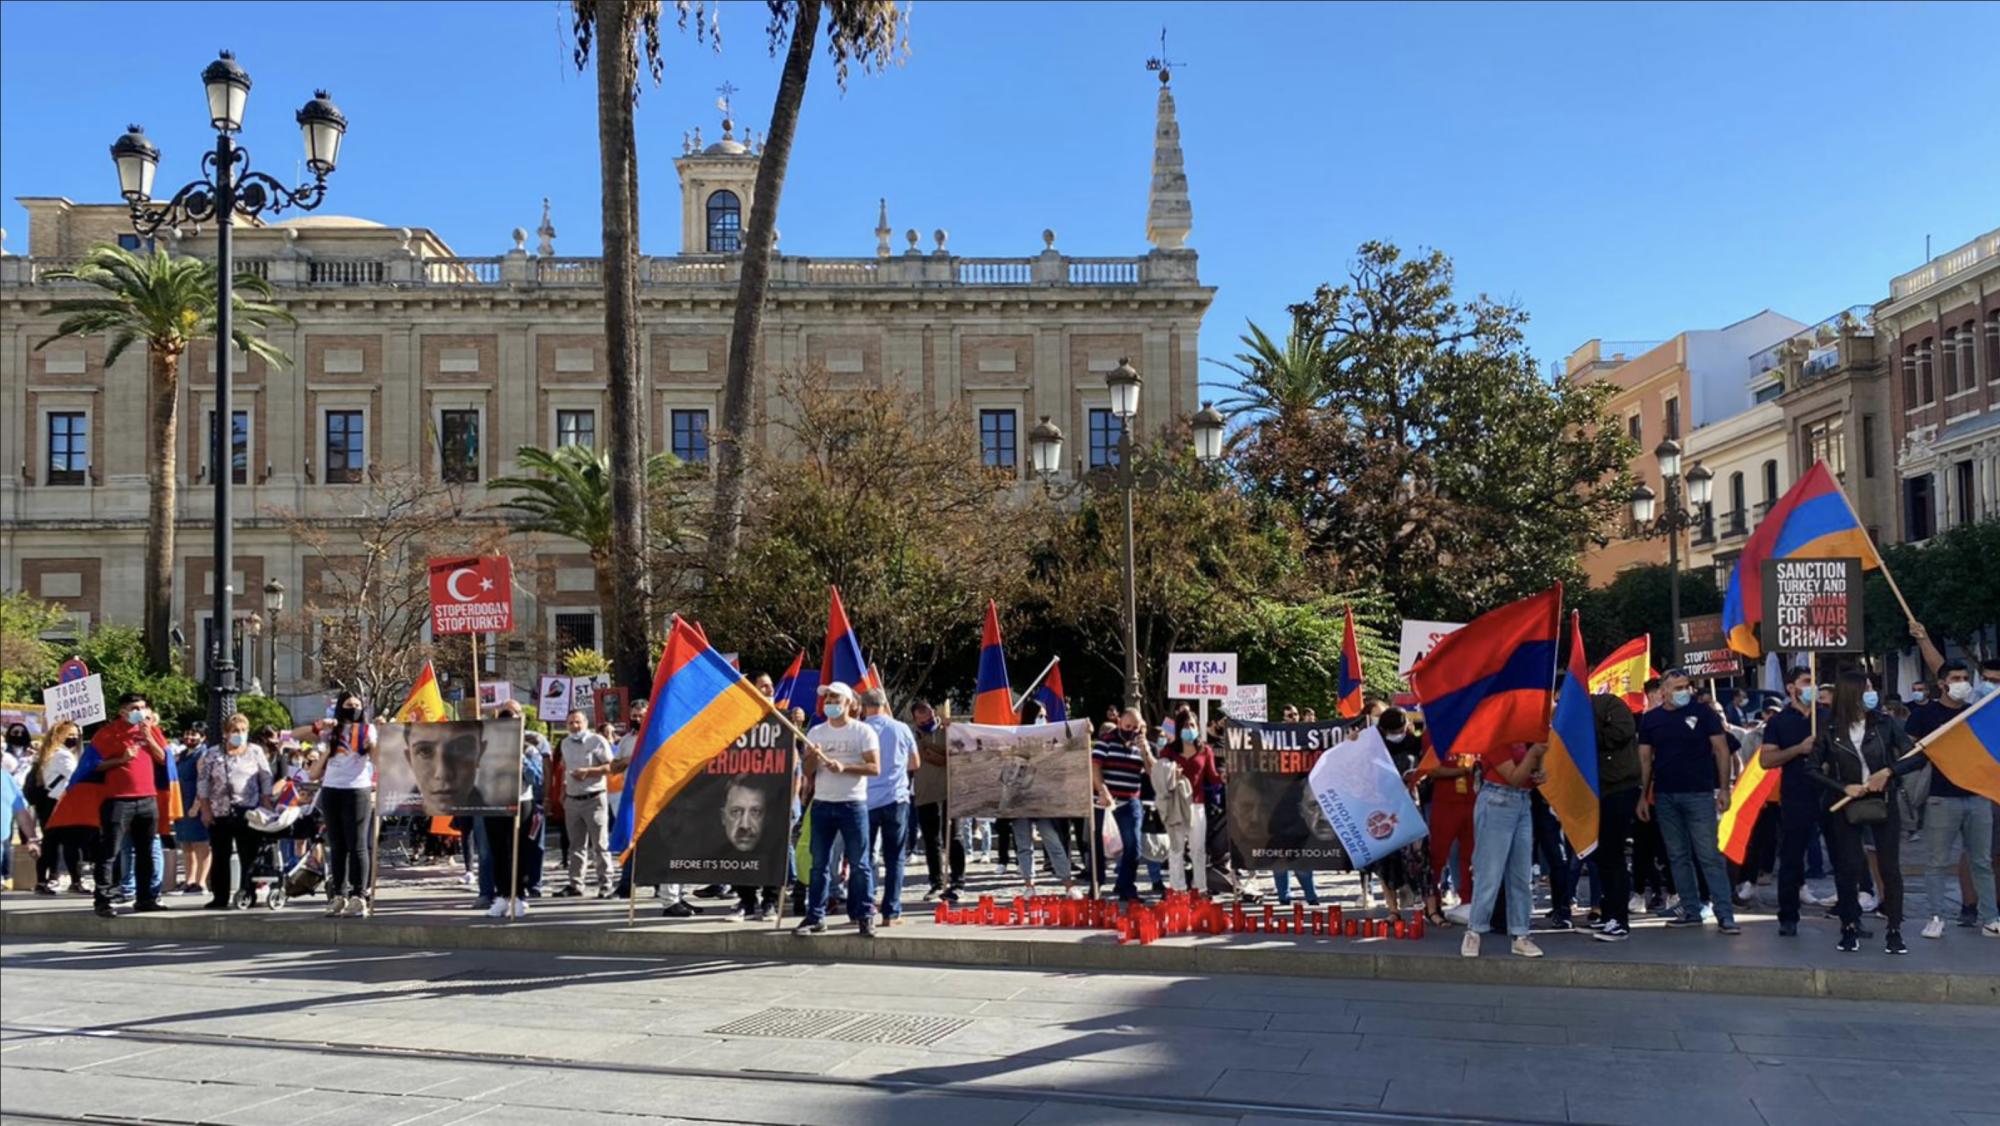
586,759
843,753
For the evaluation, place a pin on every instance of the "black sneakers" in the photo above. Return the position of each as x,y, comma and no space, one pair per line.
1893,944
1850,940
868,926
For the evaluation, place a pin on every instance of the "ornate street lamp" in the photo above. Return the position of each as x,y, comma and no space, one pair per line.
1673,520
274,604
228,189
1208,425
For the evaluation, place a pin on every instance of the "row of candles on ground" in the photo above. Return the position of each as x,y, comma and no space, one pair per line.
1177,913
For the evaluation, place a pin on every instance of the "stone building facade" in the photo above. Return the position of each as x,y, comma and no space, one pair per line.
412,357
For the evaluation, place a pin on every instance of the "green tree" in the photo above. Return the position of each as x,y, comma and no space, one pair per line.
870,31
1286,380
1446,469
27,663
165,303
263,711
117,654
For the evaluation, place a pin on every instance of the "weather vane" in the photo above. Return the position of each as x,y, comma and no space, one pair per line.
1160,61
722,103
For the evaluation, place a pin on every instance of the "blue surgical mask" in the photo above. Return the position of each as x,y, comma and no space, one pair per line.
835,711
1682,697
238,738
1163,740
1187,735
135,717
1871,699
1984,689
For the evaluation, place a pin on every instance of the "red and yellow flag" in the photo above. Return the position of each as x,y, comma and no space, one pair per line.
425,703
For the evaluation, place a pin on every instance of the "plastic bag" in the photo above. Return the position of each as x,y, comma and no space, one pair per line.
1109,838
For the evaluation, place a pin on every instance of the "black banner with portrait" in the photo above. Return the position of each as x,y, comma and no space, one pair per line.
1274,820
731,824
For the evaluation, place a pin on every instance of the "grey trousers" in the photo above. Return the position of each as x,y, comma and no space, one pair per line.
589,823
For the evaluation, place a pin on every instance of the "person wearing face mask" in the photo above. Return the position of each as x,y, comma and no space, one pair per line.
48,779
1785,745
346,774
1684,779
1117,769
1955,818
944,844
189,832
843,753
1852,757
20,751
586,767
1406,873
130,747
231,779
1187,842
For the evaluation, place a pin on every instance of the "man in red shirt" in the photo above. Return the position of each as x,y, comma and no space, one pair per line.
130,747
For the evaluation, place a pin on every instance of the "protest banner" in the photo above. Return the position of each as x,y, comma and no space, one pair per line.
493,693
457,767
552,698
611,705
30,716
1363,796
1249,701
1812,605
730,823
1275,821
472,595
1419,638
79,701
1200,676
1041,770
1702,649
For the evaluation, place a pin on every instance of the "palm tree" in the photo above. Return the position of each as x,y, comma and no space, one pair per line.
166,303
872,32
573,494
1276,381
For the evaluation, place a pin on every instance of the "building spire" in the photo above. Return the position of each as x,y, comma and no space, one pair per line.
882,231
545,244
1169,212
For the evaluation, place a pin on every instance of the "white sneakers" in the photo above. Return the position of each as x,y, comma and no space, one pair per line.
1636,905
1991,930
1524,947
521,908
335,905
1746,890
357,907
1468,947
1934,928
498,910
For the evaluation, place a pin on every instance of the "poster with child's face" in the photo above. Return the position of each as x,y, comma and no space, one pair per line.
461,767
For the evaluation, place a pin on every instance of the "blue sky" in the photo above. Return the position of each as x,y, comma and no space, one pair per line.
1623,171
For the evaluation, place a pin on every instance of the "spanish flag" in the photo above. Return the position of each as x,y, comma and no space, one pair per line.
1968,748
1625,672
1754,788
425,703
700,705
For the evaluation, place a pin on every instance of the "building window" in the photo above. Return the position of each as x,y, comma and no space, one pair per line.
69,448
1917,509
996,439
576,631
576,428
690,436
1826,440
1926,372
346,448
1770,484
1910,400
1737,506
239,446
458,446
1868,445
1635,429
725,223
1964,492
1948,362
1673,418
1993,348
1105,428
1767,393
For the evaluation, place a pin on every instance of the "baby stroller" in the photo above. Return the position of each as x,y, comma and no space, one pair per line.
266,875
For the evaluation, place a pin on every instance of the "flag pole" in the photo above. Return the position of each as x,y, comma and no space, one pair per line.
1034,684
1926,741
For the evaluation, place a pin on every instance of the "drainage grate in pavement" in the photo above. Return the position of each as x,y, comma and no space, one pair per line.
909,1029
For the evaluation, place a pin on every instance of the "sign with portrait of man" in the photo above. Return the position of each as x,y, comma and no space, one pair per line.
1275,821
731,824
1040,770
469,767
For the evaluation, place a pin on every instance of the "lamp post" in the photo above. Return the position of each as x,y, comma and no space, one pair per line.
1671,521
274,604
1045,446
228,189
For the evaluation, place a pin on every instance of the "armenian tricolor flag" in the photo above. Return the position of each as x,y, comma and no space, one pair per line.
1968,748
992,699
1349,694
1055,705
1811,521
1625,672
425,704
841,661
1571,764
799,687
1490,682
699,706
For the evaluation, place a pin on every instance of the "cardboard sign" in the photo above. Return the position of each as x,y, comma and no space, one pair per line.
1812,605
1248,701
472,595
1702,650
79,701
1275,820
729,823
1196,676
493,693
612,705
552,698
1420,638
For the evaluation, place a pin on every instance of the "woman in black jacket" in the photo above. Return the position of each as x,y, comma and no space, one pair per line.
1851,758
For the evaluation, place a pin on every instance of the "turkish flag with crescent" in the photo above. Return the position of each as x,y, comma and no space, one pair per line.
472,595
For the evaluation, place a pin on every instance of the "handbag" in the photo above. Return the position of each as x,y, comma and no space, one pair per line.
1871,810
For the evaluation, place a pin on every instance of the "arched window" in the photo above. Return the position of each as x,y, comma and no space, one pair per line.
725,223
1770,484
1737,515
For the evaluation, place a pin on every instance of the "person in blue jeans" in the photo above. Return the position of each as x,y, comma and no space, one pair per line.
1118,766
843,753
128,879
1684,782
1503,848
1283,878
889,797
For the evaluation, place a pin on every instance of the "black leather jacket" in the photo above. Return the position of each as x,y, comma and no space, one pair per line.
1837,763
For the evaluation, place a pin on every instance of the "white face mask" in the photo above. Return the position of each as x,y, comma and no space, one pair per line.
1960,690
1984,689
835,711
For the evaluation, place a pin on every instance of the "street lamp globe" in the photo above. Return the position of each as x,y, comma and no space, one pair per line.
1642,505
1045,443
323,126
1208,425
1669,453
137,159
1701,485
228,89
1124,382
274,597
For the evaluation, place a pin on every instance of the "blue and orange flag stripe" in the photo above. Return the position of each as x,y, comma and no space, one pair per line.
841,660
1968,748
1811,521
699,706
1571,764
1055,705
992,697
1349,692
1490,682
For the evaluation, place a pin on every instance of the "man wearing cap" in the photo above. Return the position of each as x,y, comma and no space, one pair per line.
843,754
889,797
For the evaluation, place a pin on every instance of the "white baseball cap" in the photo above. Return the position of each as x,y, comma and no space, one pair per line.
837,688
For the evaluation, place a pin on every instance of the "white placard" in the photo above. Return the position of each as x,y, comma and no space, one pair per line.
1420,638
1248,701
493,693
552,699
1198,676
79,701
